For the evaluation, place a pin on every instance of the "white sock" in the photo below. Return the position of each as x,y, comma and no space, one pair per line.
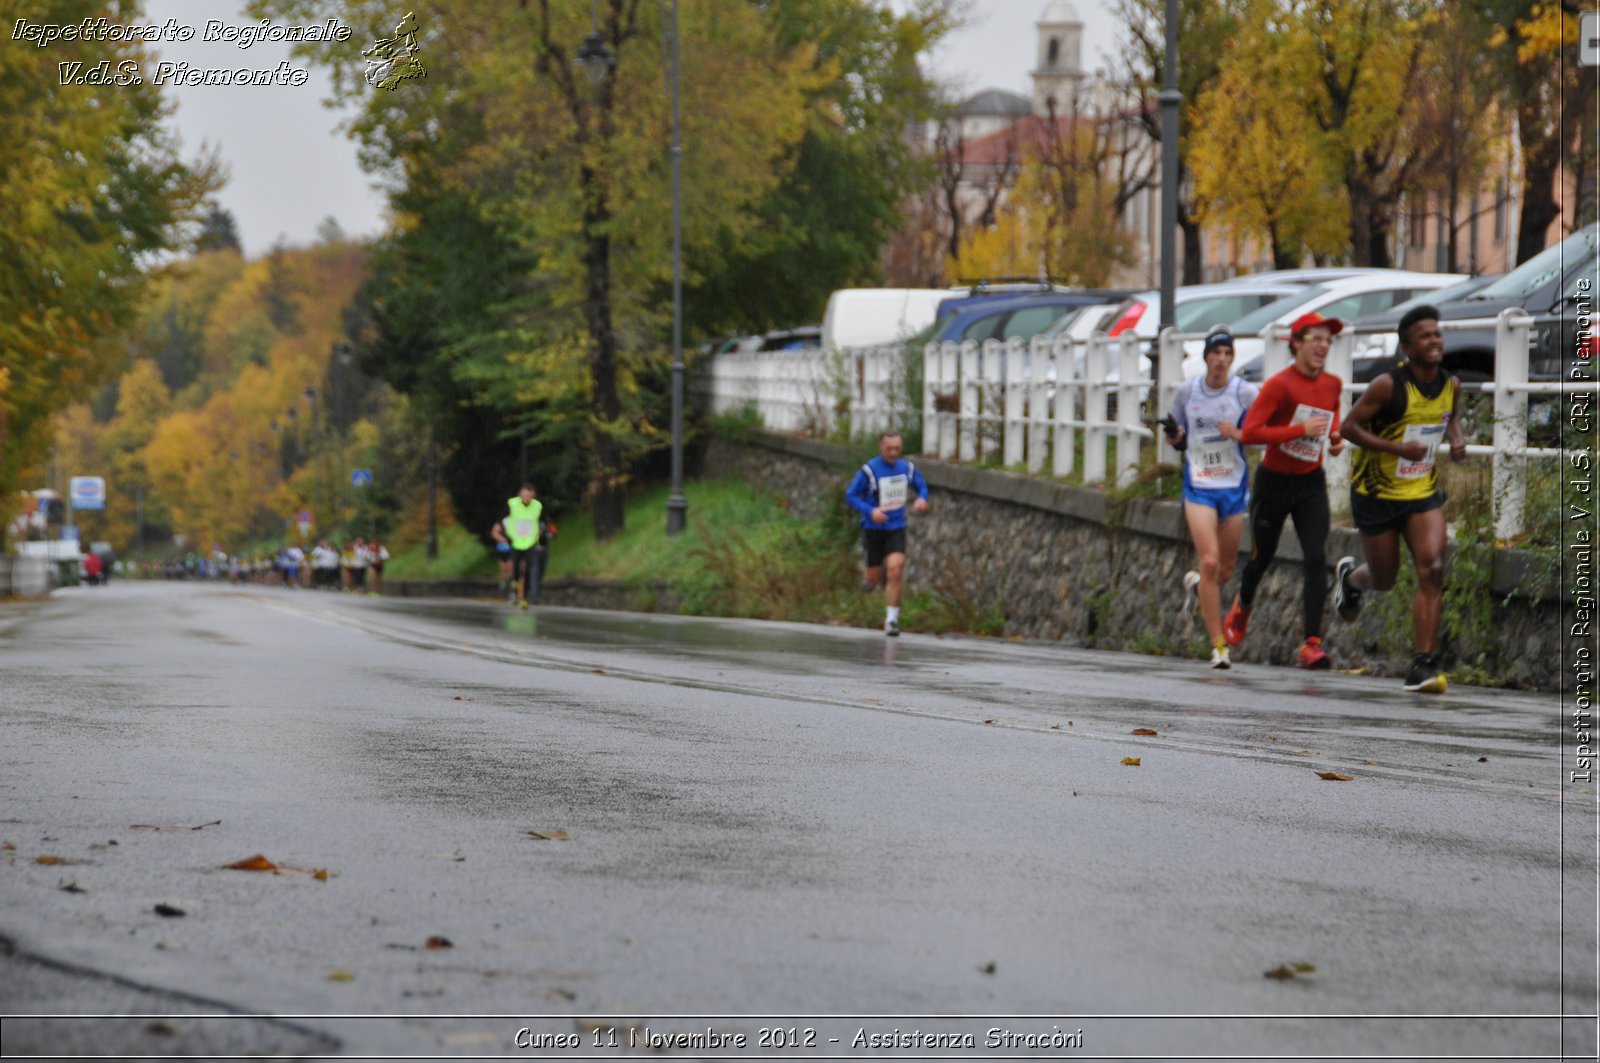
894,614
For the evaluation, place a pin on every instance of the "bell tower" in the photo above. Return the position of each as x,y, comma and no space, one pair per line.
1058,73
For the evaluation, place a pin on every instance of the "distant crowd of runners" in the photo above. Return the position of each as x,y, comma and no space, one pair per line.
355,565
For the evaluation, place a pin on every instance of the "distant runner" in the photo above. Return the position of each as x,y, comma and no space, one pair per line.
1208,411
1394,490
1297,417
520,527
880,491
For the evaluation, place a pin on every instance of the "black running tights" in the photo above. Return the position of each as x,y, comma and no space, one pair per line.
1277,497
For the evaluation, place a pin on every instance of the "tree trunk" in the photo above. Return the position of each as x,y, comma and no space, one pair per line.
1283,256
1193,261
1541,161
607,474
1360,194
1378,238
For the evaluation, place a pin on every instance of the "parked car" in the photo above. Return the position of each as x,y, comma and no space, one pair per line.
736,345
984,292
1378,343
1344,299
866,317
1312,274
792,339
1081,322
1554,286
1197,306
1023,316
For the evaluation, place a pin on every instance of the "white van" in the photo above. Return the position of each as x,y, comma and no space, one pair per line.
867,317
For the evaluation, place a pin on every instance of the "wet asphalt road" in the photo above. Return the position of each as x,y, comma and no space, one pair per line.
760,820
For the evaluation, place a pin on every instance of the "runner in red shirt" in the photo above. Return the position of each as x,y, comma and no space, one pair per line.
1297,417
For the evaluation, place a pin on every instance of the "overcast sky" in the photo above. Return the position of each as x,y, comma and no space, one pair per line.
289,168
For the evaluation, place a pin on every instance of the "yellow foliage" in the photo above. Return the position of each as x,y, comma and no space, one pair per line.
1546,30
1004,249
1262,166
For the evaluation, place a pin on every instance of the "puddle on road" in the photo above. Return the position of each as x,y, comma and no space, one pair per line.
627,822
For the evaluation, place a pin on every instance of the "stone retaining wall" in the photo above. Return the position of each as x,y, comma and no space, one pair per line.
1060,565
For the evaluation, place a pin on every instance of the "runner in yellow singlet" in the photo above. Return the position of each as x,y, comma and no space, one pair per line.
1399,425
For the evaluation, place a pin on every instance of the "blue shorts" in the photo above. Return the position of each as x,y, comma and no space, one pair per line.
1227,501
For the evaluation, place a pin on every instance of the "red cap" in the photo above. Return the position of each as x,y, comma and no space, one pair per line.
1311,320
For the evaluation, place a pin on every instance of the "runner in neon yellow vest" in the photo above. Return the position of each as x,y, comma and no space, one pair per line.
520,527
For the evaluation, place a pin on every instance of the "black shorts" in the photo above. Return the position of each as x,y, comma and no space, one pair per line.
880,543
1375,516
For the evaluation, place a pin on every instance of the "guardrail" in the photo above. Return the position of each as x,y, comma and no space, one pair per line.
1046,403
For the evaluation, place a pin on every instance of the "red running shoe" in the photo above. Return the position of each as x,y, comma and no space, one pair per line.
1311,655
1235,623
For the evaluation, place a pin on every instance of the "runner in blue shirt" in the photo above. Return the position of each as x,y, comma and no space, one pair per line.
880,492
1208,411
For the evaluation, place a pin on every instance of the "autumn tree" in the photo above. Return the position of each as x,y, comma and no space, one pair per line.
570,181
1259,161
1455,120
1533,52
90,182
1204,29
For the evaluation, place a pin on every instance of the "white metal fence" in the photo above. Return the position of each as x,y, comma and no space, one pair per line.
1055,403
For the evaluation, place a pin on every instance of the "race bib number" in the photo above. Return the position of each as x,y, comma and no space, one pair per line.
1213,460
892,492
522,529
1306,448
1427,434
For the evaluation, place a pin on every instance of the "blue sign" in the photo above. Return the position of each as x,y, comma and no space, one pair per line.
360,477
69,533
87,492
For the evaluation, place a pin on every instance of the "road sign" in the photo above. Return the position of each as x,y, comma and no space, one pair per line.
87,492
1589,38
360,477
69,533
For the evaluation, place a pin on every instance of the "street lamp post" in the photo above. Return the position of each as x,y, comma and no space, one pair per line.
597,62
1170,97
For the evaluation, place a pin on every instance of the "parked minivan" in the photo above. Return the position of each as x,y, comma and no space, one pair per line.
867,317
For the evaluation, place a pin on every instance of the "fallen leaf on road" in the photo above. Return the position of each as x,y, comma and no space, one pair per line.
257,862
1132,762
169,911
550,835
160,1029
458,697
456,856
71,887
49,861
437,942
341,976
1483,760
598,671
1144,731
988,968
557,993
8,847
1055,727
1333,776
988,721
1283,972
172,826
